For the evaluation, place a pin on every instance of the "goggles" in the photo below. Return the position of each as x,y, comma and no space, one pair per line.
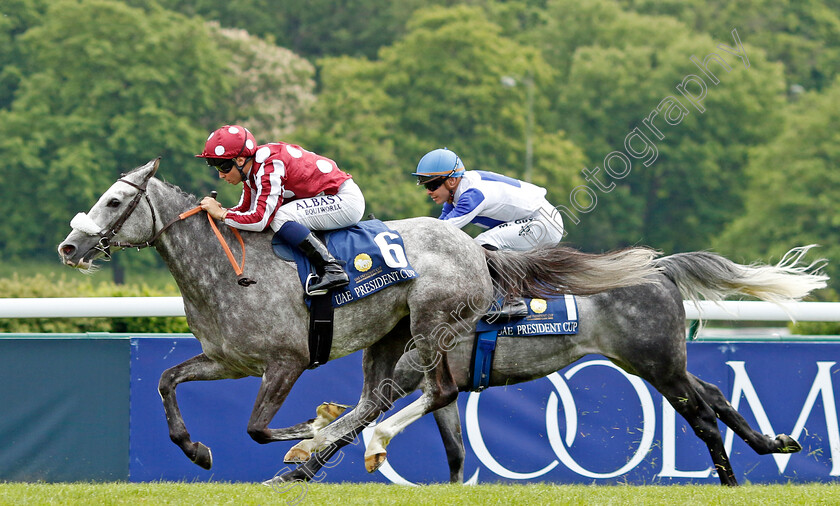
431,183
223,165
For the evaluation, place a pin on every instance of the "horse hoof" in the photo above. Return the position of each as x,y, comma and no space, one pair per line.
375,461
296,456
330,410
787,444
281,480
203,456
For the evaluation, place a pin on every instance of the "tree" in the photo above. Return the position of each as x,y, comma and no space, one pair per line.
804,35
274,89
793,187
17,17
439,86
352,124
315,28
110,87
618,67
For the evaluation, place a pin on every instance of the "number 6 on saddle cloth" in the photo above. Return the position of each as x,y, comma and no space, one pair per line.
374,258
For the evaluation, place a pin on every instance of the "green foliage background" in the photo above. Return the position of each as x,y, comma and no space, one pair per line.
92,88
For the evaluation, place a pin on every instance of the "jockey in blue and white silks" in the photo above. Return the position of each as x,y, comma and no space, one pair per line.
516,213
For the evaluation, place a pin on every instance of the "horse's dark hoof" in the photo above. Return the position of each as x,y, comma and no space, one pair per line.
787,444
203,457
290,477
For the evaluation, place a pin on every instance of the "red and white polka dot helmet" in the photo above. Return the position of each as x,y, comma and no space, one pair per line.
229,142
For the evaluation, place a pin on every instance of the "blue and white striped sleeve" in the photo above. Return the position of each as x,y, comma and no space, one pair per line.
469,204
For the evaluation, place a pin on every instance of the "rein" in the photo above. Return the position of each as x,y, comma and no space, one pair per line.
106,236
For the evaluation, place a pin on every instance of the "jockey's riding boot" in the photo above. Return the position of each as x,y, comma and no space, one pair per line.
330,273
510,310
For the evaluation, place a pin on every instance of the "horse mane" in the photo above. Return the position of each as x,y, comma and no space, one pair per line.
178,190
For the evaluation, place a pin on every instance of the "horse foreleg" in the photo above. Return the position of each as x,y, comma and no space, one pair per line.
325,414
277,381
449,424
762,444
439,387
198,368
309,469
700,416
439,391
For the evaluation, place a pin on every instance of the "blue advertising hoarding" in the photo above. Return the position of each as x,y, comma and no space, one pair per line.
588,423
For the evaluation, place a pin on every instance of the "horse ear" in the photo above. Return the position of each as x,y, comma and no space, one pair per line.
150,169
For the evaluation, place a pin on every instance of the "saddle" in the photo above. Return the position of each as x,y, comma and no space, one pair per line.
552,316
373,255
374,258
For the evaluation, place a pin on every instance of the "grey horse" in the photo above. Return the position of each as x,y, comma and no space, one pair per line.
639,328
262,330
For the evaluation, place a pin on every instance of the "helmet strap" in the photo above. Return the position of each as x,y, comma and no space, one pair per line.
452,192
240,168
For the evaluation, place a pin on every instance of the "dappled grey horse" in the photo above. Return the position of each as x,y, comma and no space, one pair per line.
641,329
262,330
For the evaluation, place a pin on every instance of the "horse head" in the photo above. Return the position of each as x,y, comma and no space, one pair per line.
122,216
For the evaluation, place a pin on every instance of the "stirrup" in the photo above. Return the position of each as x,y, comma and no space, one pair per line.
306,289
336,284
514,310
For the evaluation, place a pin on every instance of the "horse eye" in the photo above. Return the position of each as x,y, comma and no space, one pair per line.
114,203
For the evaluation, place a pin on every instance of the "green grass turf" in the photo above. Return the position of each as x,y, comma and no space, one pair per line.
437,495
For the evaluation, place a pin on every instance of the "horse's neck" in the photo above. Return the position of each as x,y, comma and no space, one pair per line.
188,247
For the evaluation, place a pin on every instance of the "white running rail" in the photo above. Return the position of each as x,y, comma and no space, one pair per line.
113,307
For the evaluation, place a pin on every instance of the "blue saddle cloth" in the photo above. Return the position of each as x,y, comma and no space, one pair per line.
556,315
553,316
373,254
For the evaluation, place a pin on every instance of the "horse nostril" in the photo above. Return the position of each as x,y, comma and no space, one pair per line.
67,250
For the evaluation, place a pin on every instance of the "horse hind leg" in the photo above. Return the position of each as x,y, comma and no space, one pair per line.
700,416
448,420
760,443
439,391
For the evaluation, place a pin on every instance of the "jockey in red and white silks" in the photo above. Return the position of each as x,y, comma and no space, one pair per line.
289,189
288,183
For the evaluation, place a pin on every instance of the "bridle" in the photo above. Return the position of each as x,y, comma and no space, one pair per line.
105,236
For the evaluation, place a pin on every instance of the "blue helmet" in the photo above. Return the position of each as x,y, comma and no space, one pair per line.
440,163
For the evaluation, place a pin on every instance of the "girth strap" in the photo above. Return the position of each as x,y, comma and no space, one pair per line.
482,359
320,329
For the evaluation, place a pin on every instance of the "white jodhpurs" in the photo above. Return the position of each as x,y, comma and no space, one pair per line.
324,212
543,228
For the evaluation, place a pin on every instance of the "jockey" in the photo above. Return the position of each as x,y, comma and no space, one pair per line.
516,213
289,189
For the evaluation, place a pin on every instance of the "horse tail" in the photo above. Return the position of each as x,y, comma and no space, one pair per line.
713,277
556,270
